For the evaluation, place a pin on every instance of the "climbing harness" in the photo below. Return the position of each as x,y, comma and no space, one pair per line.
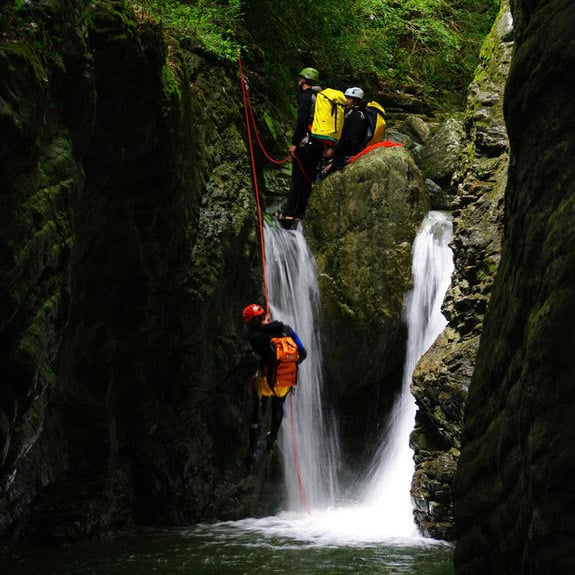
250,120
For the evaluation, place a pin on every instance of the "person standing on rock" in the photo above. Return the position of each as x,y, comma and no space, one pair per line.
306,152
280,351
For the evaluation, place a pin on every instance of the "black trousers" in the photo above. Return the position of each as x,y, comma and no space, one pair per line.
259,409
304,172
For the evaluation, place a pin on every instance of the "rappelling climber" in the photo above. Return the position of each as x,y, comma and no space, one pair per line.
280,351
353,135
306,151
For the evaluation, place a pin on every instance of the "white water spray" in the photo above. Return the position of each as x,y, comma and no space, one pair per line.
294,299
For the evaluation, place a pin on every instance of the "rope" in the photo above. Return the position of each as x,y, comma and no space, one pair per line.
302,497
383,144
253,122
255,179
264,151
258,137
302,170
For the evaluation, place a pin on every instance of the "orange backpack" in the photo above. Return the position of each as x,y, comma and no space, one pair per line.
287,355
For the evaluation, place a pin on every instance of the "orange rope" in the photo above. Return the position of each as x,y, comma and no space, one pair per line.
302,497
255,178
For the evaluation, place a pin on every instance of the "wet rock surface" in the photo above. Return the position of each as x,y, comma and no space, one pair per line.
514,501
442,377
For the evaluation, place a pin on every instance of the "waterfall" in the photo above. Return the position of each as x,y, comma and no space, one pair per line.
388,487
383,509
294,299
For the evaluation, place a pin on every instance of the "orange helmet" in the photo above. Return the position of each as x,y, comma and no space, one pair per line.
252,311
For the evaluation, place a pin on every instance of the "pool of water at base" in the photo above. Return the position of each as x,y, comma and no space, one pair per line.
249,547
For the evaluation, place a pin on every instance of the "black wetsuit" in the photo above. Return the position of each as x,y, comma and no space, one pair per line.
353,136
308,156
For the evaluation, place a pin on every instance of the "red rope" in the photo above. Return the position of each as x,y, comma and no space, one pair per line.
302,170
260,143
253,121
248,104
255,179
302,497
384,144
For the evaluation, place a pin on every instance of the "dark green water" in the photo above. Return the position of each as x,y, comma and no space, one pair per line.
231,548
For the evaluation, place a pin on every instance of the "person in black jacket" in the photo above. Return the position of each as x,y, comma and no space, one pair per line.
278,382
353,135
306,151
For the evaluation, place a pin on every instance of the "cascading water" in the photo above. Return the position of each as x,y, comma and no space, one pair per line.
382,512
375,535
389,482
294,299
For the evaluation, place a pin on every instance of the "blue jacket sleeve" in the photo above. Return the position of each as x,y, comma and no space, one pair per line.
301,348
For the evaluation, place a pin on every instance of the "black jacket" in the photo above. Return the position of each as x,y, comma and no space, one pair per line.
353,133
305,108
260,340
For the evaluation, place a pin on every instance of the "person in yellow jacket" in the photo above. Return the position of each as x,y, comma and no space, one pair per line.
280,351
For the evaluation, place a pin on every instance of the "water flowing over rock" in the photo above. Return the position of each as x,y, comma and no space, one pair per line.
442,377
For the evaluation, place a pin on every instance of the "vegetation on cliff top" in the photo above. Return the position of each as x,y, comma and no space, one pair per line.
426,47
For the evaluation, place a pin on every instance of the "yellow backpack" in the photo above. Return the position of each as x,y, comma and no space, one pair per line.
328,116
375,122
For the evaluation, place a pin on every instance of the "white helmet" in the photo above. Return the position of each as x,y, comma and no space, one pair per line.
354,93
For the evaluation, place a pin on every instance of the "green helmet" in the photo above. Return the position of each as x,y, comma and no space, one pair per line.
310,74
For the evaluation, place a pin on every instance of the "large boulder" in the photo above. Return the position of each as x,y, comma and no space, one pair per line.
439,156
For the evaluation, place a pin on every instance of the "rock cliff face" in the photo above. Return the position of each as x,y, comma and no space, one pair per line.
124,221
128,247
441,378
514,495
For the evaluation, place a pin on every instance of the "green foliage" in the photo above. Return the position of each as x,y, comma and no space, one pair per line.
426,47
423,46
211,23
